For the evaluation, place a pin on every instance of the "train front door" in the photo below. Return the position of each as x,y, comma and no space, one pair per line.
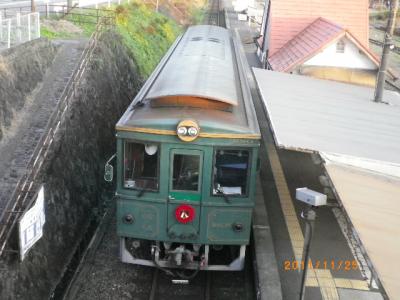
184,197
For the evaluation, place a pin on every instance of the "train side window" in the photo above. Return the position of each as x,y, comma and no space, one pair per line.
230,172
141,166
186,172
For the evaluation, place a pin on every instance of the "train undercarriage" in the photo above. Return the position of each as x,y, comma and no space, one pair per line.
182,256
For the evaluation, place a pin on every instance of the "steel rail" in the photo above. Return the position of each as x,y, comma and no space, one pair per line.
25,188
395,86
207,290
395,49
213,13
72,289
154,284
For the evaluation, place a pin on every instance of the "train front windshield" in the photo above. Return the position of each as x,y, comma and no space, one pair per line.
186,172
141,166
231,171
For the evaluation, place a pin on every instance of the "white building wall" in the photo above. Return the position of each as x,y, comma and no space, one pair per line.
351,58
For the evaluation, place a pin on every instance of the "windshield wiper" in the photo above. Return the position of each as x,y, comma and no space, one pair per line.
225,196
141,192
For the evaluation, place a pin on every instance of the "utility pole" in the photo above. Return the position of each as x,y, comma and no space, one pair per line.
33,6
388,44
69,4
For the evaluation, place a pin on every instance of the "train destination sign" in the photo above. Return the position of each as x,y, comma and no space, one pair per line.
31,225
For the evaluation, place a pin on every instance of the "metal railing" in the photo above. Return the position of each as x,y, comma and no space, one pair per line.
19,29
22,196
18,25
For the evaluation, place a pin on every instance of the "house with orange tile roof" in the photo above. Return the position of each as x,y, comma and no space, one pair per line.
326,39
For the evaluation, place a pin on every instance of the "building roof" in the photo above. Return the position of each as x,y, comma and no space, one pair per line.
372,204
289,17
306,43
327,116
313,39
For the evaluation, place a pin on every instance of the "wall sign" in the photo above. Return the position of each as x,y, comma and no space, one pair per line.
31,225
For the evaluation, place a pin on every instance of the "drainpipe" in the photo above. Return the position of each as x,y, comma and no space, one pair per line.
380,82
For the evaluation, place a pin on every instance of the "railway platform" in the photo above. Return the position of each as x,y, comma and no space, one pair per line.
282,172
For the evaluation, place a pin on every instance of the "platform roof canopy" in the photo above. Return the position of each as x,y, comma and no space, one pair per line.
327,116
359,141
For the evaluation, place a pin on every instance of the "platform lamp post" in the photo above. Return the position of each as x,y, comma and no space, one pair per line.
313,199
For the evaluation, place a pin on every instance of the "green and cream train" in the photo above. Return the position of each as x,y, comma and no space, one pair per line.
187,158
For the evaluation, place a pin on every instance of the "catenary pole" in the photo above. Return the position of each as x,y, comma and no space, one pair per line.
380,82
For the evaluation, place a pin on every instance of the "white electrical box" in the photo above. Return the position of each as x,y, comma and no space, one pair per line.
310,197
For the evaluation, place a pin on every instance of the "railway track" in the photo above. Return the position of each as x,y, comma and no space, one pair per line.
393,85
215,15
206,285
395,49
197,289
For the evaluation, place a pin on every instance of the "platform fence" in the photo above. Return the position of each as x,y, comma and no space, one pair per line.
19,29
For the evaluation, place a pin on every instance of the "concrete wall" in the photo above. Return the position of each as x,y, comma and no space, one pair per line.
73,174
354,76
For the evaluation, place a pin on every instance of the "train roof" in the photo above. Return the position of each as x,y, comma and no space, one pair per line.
204,66
201,66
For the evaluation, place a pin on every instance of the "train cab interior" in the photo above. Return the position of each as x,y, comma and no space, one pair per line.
141,163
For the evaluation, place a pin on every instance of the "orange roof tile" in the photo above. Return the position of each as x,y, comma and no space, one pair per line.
289,17
302,46
313,39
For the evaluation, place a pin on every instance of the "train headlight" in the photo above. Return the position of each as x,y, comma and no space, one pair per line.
188,130
192,131
182,130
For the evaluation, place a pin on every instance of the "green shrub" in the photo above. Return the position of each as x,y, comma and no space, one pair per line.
146,33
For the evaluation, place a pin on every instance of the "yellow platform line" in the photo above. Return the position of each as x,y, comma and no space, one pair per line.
315,277
321,278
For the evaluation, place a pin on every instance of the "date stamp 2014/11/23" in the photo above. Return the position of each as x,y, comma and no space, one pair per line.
334,265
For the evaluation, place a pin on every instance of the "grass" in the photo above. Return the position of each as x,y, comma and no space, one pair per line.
86,22
198,14
382,14
146,33
51,34
84,19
